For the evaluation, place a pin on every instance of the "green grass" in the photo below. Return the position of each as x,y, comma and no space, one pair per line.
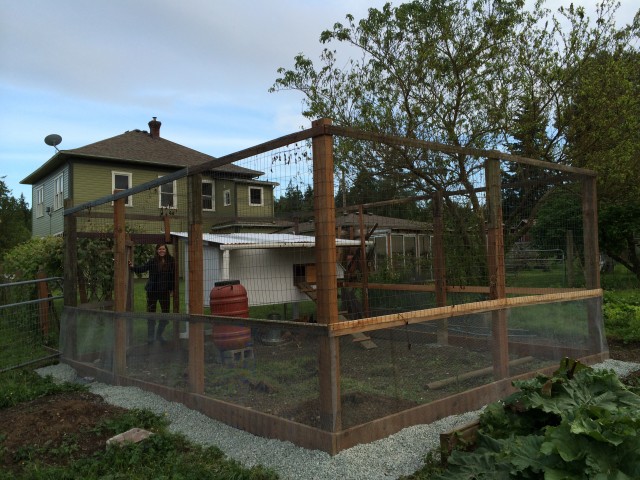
163,455
619,279
566,320
554,278
17,386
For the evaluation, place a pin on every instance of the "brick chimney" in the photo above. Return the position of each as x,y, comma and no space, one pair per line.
154,128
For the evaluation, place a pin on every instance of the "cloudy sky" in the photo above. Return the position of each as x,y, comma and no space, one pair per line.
90,70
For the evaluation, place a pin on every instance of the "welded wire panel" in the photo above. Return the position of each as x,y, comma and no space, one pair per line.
272,369
29,322
543,231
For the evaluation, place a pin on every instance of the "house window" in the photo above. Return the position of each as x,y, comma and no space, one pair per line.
121,181
255,196
208,198
168,195
58,196
39,198
227,198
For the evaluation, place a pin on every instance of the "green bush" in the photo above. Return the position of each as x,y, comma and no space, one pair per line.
23,261
622,315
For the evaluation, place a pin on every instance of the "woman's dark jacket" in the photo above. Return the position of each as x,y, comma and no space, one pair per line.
161,277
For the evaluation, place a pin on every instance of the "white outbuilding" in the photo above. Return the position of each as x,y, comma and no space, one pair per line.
270,266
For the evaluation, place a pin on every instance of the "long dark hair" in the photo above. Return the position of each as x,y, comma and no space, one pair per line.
167,258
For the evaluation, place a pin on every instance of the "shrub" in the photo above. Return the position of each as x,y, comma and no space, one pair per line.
622,315
23,261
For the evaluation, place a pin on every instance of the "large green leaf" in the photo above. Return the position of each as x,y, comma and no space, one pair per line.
580,423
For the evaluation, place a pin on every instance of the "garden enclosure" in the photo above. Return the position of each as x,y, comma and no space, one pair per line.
465,270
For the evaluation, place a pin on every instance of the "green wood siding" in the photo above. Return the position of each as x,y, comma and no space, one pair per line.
91,181
53,223
246,210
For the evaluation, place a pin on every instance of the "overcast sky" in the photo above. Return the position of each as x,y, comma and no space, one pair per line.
90,70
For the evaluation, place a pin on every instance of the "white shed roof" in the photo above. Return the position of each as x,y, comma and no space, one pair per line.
231,241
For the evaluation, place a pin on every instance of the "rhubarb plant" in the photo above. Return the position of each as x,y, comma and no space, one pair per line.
579,423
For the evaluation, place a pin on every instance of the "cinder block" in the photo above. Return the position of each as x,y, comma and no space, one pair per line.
238,357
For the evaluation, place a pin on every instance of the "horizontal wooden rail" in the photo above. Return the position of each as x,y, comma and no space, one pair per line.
406,287
431,314
452,149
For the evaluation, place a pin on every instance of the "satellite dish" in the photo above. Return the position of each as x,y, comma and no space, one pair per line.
53,140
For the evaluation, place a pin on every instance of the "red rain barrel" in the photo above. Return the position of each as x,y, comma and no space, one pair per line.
229,299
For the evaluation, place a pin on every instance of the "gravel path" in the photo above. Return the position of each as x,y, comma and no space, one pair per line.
389,458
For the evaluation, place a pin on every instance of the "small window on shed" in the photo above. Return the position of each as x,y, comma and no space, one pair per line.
255,196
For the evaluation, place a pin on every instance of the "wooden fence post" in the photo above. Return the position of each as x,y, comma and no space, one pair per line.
439,265
196,298
121,275
364,265
592,261
43,307
68,330
496,269
70,273
327,280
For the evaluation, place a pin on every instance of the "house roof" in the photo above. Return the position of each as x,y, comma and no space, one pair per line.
264,240
136,147
382,222
254,223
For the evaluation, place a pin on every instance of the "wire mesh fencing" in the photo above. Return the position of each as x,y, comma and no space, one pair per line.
29,321
333,278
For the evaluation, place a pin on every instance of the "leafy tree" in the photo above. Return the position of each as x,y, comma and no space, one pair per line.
367,187
605,121
476,73
430,70
15,219
620,234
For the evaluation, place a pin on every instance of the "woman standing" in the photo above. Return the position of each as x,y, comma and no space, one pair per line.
159,287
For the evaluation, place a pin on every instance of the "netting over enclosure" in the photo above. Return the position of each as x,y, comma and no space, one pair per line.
334,286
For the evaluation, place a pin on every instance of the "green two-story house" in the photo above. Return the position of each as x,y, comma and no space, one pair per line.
233,197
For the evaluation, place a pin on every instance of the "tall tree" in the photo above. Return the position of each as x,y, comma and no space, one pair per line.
15,219
604,136
479,73
429,69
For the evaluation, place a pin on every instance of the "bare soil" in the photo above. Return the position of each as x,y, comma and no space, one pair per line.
58,428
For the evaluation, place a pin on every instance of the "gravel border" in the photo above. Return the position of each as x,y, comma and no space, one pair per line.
399,454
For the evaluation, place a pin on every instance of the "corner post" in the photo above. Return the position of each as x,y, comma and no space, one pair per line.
496,269
592,264
327,280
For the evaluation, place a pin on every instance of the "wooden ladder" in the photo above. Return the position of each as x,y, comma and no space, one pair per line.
360,338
